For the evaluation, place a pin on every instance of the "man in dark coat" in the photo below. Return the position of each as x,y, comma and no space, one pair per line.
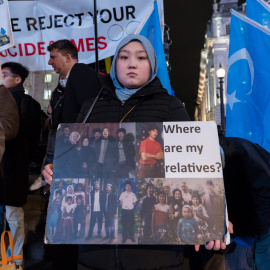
16,159
80,82
110,213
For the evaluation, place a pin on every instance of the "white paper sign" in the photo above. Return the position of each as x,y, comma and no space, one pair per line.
6,36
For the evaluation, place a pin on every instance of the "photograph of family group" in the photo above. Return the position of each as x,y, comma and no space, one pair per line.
102,150
135,211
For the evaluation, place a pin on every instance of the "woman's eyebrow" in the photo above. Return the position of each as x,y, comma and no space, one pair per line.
128,51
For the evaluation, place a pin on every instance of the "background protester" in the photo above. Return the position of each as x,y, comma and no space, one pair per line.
18,153
175,213
79,81
133,81
9,127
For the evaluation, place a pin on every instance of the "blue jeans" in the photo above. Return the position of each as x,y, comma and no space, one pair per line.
15,219
262,251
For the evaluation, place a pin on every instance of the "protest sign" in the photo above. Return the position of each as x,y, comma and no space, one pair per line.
36,24
153,183
6,36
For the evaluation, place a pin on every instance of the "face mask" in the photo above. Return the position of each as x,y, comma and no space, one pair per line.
63,83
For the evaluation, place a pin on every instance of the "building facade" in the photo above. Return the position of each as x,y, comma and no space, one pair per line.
214,55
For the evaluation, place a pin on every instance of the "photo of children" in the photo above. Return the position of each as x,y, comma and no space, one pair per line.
149,149
178,221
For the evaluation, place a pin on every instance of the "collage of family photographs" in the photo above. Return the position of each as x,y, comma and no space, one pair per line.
110,188
135,211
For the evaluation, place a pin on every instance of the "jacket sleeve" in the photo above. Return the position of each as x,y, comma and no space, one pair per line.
9,116
86,84
177,111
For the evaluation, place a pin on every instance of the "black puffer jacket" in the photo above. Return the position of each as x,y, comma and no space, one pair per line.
247,186
153,104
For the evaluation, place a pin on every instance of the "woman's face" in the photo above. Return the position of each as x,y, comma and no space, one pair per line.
85,142
70,190
177,195
132,65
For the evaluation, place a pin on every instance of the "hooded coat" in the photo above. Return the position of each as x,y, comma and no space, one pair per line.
150,103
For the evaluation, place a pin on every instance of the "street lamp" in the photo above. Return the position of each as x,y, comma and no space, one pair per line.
221,74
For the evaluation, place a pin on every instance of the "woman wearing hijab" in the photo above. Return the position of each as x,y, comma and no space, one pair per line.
133,93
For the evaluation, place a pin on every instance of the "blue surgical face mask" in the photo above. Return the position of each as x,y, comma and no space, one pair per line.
63,83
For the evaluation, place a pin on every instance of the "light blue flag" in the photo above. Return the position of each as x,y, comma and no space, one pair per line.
152,31
248,89
259,11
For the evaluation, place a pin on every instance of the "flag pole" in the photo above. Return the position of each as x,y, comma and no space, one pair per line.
96,35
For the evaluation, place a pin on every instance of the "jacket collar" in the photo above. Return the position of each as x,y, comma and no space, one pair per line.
16,89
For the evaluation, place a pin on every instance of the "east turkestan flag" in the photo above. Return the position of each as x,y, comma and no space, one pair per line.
248,89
